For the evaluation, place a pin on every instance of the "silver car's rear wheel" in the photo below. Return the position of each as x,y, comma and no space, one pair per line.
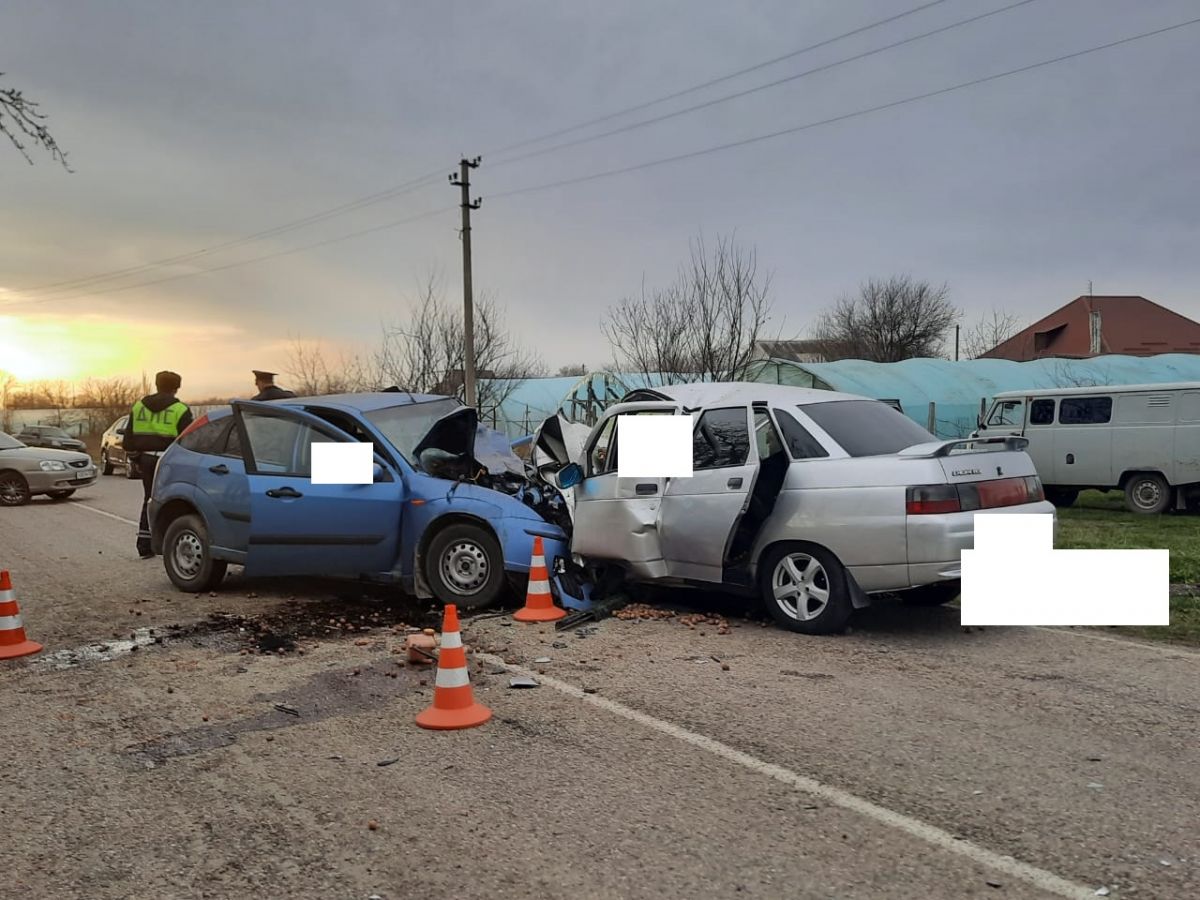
805,589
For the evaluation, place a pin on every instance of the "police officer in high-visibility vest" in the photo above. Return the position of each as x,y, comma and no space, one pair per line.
154,423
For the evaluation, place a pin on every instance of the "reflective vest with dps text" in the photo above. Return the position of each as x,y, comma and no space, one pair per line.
153,431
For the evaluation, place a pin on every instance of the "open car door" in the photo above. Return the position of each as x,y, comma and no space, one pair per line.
301,528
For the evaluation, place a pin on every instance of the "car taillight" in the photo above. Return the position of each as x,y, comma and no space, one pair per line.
197,423
928,499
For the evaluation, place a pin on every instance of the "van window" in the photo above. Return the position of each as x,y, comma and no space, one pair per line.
800,443
1085,411
1041,412
1007,412
721,438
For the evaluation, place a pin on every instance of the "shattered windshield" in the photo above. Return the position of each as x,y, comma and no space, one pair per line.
8,442
867,427
405,426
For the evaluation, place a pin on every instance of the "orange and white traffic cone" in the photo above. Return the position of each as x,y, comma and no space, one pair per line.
539,602
454,703
13,642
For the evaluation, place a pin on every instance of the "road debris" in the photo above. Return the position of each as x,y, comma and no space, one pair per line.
1102,892
542,659
290,710
1095,785
373,825
388,762
522,681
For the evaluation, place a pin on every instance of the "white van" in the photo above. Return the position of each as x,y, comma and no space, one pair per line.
1143,439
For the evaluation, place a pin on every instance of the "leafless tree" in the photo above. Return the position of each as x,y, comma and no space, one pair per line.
424,351
20,121
704,325
1066,373
992,329
8,383
104,400
311,373
887,321
575,371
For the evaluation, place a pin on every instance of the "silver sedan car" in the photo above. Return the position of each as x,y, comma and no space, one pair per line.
811,499
28,471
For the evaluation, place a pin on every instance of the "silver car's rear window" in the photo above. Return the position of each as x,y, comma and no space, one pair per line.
867,427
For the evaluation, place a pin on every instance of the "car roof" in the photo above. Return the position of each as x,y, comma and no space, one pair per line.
364,402
713,393
1100,389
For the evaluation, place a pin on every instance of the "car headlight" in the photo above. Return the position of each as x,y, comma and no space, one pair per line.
52,465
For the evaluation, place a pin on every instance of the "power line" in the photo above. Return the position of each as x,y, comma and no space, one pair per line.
723,78
71,285
762,87
842,118
234,265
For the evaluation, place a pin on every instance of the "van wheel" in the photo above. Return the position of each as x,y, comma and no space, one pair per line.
1147,493
1062,497
465,566
187,556
805,589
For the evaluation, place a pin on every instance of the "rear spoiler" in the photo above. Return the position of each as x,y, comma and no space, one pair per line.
944,448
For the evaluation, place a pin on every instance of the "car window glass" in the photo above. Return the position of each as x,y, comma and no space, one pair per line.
598,457
1041,412
765,435
280,446
233,442
721,439
800,443
1085,410
205,439
866,427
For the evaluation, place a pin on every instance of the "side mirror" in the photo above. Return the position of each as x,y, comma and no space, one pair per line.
377,473
568,476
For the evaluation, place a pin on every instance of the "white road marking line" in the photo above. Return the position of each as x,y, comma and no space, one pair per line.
101,512
1172,649
1039,878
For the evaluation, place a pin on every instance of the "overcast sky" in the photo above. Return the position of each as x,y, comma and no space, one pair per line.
193,124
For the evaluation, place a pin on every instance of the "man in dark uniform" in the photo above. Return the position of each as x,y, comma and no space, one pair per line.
154,423
267,389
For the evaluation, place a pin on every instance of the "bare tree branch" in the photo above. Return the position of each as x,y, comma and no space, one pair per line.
20,121
992,329
704,325
889,320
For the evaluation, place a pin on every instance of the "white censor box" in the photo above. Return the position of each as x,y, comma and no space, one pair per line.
654,446
1014,576
334,463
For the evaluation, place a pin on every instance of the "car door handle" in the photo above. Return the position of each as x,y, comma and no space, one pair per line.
220,469
284,492
646,489
734,483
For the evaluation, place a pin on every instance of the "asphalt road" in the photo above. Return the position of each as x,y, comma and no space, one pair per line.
907,759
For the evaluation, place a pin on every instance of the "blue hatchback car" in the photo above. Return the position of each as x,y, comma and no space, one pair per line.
449,515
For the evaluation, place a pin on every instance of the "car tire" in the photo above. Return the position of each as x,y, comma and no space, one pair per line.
1147,493
936,594
464,565
1062,497
106,466
132,471
812,572
14,489
60,495
187,556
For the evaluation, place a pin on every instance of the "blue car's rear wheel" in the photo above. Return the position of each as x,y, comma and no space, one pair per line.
187,556
465,566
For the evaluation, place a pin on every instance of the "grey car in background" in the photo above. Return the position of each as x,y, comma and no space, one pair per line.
28,471
49,436
811,499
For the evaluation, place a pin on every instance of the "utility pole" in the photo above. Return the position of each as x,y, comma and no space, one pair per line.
956,343
463,180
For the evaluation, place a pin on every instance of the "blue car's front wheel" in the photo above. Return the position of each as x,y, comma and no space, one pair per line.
465,566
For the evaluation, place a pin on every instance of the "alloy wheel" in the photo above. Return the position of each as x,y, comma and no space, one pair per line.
800,586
